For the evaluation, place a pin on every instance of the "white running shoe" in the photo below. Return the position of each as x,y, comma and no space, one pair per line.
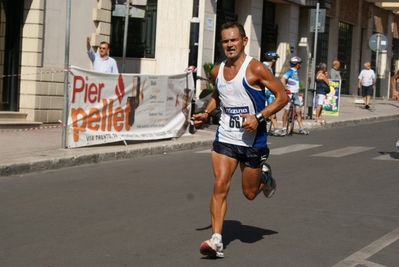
276,132
283,132
303,131
212,248
270,184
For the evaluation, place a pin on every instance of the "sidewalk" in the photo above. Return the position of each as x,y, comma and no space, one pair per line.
38,150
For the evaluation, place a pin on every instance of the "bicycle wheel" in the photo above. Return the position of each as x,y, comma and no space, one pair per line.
290,120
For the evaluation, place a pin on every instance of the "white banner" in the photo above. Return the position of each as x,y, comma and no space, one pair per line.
106,107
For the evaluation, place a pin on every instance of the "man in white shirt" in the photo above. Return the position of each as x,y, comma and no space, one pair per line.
101,62
366,83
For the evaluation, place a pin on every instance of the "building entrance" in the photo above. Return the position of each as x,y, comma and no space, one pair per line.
11,17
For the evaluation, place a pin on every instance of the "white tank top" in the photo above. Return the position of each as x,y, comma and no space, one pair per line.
238,97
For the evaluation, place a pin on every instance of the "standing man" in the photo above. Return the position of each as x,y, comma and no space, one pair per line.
241,134
394,79
270,61
334,72
290,80
366,83
101,62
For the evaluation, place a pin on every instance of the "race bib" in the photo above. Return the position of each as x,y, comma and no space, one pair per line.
233,121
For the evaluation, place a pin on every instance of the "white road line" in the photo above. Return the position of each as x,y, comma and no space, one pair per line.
204,151
387,157
361,256
343,151
293,148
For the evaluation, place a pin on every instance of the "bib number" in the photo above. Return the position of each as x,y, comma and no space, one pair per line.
234,123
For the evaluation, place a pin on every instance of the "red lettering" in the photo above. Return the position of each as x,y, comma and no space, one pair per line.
103,119
94,116
75,119
91,91
110,114
78,86
118,117
104,115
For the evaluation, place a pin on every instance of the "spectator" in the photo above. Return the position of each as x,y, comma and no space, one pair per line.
101,62
335,74
322,85
394,79
366,82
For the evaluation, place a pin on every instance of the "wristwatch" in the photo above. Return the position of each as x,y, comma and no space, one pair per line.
207,112
259,117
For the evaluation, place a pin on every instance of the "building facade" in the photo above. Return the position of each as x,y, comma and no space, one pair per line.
33,48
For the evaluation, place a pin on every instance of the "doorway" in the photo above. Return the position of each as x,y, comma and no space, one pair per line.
11,14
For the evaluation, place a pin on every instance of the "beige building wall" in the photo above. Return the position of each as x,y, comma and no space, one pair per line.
2,45
43,51
43,43
172,41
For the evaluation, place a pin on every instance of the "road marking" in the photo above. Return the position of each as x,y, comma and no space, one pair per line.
204,151
293,148
361,256
343,151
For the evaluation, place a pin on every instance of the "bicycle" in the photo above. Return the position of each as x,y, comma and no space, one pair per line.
291,118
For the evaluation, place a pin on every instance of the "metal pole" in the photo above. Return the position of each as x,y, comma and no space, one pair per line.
193,53
125,34
66,73
312,82
376,69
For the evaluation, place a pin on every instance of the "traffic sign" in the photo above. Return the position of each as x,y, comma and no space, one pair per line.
378,41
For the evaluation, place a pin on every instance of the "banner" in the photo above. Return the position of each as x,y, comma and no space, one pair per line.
331,102
105,107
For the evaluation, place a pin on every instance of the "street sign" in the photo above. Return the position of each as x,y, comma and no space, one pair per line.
320,23
378,41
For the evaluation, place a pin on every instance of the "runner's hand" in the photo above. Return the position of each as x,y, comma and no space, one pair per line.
250,123
199,119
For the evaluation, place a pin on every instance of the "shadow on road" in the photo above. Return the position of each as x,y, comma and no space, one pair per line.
233,230
394,155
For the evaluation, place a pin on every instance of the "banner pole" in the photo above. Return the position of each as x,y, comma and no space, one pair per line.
66,72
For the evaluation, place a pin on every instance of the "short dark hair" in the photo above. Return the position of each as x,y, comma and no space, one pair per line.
233,24
104,42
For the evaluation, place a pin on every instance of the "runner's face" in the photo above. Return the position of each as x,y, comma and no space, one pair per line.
232,43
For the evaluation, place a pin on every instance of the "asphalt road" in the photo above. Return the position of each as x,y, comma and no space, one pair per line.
337,204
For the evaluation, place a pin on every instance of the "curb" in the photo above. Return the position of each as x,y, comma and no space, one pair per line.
313,125
147,149
71,161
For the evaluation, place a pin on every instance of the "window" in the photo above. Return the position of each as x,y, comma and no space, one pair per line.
269,29
322,43
344,54
140,35
225,13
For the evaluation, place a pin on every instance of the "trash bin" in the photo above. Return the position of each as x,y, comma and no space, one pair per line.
309,98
